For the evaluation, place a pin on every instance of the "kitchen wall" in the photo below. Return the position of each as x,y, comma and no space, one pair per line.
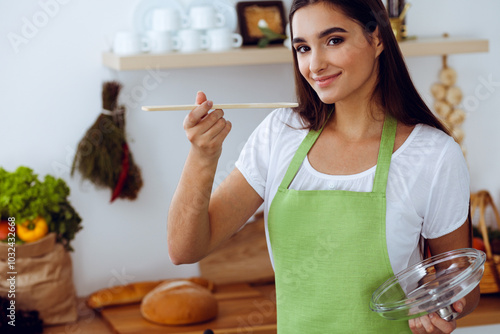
50,87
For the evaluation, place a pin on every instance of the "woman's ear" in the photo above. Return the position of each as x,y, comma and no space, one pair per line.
377,41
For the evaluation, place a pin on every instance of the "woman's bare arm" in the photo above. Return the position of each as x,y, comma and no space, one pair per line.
460,238
198,221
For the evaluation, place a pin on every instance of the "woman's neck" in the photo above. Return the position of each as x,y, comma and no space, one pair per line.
359,116
357,120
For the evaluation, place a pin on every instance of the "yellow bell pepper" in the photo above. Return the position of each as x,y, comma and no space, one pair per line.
34,230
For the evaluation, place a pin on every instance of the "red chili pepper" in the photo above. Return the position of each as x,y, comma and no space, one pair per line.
123,173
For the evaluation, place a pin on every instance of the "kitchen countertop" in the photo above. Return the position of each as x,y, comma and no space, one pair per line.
89,321
487,312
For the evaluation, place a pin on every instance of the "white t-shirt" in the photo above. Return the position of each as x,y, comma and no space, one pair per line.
427,189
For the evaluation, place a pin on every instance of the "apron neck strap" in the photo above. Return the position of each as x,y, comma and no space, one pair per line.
383,161
385,154
301,153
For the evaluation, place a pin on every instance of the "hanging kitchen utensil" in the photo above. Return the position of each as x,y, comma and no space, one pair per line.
432,285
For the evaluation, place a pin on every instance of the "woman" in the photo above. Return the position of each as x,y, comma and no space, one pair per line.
351,180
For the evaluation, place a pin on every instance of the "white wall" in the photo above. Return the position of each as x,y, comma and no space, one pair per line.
50,94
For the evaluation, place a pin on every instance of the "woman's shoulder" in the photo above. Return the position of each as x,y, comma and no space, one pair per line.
429,144
282,121
434,137
428,136
286,117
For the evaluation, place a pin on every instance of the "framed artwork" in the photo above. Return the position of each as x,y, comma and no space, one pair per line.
251,12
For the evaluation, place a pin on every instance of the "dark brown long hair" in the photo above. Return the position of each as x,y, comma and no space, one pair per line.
394,89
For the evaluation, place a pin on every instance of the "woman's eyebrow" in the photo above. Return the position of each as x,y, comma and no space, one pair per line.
329,31
298,40
322,34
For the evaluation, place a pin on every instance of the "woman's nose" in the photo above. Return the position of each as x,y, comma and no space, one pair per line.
318,61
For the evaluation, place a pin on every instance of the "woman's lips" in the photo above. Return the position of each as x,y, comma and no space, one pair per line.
326,81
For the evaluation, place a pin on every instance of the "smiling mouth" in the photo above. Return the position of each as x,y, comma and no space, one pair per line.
325,81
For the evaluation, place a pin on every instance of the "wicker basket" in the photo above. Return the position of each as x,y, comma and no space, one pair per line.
490,283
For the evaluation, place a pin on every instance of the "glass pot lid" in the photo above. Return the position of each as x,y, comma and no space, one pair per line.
431,285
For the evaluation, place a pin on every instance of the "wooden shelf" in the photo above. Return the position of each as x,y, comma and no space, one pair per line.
278,55
240,56
442,46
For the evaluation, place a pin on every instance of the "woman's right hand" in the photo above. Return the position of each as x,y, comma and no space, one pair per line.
206,131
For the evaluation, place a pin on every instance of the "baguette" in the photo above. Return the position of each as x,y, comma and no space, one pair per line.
135,292
179,303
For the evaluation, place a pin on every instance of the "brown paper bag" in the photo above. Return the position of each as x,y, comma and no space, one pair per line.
43,280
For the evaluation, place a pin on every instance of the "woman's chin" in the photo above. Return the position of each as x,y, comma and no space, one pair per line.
328,97
328,100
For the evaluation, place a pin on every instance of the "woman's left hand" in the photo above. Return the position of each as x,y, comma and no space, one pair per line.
432,323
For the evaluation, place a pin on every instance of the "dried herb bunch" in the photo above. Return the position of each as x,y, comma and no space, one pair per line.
103,156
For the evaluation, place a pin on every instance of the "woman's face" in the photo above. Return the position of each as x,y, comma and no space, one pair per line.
333,53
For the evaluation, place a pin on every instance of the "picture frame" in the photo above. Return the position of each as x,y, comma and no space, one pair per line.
251,12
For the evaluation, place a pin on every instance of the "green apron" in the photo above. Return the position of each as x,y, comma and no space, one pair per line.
330,252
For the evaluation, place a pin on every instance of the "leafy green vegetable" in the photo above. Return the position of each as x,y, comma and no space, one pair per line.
24,197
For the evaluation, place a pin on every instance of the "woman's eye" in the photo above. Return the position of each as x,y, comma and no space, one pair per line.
335,41
301,49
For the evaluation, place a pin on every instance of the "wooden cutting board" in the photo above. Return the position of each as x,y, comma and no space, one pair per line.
243,258
242,309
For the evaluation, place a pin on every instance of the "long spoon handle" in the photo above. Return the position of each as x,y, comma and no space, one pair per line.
224,106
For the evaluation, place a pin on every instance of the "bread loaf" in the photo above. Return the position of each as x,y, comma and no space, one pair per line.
179,303
134,292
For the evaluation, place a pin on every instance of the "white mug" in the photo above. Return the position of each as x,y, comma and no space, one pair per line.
168,19
129,43
205,17
222,39
192,40
162,41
